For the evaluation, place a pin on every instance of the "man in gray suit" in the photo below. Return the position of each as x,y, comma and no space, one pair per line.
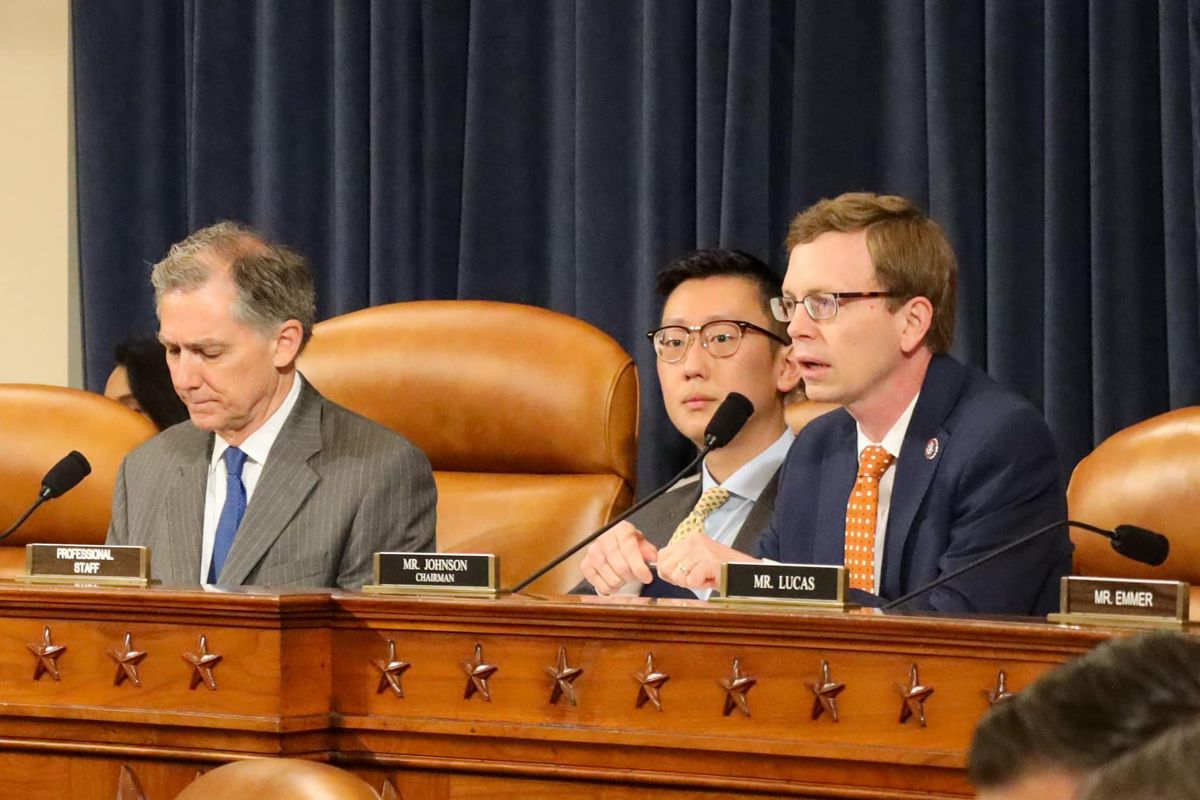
717,336
268,483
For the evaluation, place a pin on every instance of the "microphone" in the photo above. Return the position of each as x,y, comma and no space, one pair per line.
62,478
1137,544
729,418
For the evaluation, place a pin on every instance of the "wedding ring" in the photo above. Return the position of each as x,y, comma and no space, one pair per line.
682,568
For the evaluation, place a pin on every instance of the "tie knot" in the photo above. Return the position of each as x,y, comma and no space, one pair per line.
711,500
235,459
873,461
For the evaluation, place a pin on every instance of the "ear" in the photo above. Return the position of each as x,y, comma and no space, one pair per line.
287,343
787,371
915,318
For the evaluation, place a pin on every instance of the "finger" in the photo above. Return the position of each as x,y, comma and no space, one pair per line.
608,578
631,558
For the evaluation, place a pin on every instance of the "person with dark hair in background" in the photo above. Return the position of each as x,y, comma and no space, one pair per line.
1166,768
929,464
142,382
716,336
1045,741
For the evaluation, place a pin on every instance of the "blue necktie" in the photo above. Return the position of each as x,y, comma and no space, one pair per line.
231,514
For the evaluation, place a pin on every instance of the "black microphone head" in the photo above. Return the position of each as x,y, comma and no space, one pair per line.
64,475
727,420
1140,544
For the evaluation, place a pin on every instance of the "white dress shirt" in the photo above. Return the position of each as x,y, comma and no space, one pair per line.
257,448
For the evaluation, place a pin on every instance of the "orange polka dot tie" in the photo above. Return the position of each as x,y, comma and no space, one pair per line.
693,523
861,513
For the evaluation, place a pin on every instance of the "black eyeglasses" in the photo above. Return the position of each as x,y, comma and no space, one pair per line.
819,305
721,338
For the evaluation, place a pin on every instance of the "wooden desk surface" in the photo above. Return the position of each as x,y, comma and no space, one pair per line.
300,674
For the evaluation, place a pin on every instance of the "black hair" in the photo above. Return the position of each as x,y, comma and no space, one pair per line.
719,263
1091,710
145,363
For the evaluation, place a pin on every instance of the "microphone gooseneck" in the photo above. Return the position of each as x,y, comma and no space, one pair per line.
727,420
1138,544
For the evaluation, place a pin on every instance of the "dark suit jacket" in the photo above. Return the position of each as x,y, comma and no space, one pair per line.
995,476
658,522
336,488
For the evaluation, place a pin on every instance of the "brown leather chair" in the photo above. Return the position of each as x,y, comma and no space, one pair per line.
40,425
529,418
291,778
1147,475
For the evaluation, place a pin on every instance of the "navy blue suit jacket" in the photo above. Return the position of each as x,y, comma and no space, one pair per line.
995,476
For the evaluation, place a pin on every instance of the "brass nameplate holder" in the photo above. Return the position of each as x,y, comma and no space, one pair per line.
815,586
88,565
1127,603
435,573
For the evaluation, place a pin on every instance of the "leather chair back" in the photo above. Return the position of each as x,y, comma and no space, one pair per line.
1147,475
292,778
529,418
40,425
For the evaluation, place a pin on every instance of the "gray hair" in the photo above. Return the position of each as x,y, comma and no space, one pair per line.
274,283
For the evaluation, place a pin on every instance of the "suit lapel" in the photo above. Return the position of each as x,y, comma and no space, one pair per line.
758,518
839,469
285,483
914,470
184,517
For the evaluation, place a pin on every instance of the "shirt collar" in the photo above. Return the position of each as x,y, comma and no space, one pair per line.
893,440
258,444
751,478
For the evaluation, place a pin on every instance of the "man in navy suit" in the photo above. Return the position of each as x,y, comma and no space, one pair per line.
929,464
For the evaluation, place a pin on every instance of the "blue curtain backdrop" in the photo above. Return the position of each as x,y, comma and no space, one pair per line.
557,153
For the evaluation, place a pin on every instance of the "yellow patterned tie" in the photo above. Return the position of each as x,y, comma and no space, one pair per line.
710,501
861,513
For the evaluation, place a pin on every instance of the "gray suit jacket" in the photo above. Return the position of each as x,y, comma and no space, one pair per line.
336,488
658,522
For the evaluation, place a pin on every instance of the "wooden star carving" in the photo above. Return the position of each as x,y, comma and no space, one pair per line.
736,686
127,662
388,791
477,675
128,785
390,671
564,678
650,683
47,654
825,692
203,664
913,697
1000,693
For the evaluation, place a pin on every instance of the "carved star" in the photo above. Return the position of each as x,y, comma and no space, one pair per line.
127,662
1000,693
564,678
477,675
388,792
736,686
650,683
390,671
914,696
825,692
128,785
47,656
202,665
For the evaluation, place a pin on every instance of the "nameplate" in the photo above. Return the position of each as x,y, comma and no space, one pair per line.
101,565
816,585
1120,601
435,573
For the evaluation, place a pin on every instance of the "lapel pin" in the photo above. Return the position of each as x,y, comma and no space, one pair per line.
931,449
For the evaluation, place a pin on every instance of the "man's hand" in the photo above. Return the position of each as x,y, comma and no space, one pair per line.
618,557
695,562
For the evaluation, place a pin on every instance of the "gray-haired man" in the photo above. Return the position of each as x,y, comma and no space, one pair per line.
268,483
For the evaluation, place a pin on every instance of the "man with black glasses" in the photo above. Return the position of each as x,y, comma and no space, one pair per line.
930,464
716,336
